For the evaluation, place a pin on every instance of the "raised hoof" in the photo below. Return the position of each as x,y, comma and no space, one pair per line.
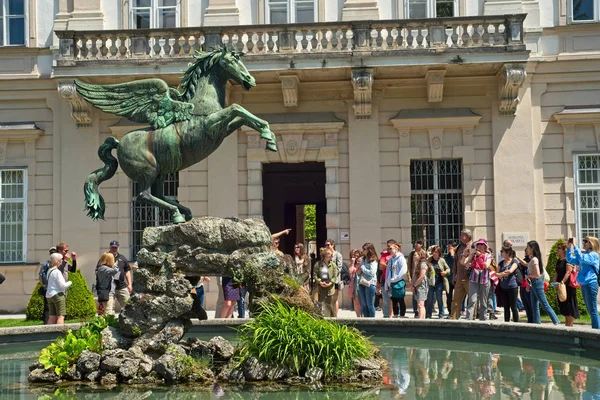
271,146
178,219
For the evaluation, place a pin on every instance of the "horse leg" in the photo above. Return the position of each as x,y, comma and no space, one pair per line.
238,116
158,191
146,196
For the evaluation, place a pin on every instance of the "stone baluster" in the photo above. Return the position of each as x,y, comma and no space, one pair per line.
409,38
476,35
485,37
122,46
389,39
84,47
419,38
400,38
498,36
465,35
103,48
378,39
260,43
454,36
113,46
314,41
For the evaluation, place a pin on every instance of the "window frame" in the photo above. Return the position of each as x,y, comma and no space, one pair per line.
595,19
436,192
22,200
291,14
578,188
5,17
154,14
431,9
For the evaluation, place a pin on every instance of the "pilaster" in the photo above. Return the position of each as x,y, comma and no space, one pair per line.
221,13
360,10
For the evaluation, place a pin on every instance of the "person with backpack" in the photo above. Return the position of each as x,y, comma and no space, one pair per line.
568,308
43,279
589,273
106,269
510,279
55,293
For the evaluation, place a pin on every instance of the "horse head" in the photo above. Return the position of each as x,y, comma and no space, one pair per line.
235,70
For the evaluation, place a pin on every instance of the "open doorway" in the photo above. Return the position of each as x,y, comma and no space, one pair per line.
287,189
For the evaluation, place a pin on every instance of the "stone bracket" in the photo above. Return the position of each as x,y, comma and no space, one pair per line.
79,107
289,87
511,78
435,85
362,82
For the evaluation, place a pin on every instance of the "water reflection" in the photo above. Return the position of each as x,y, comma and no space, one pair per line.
415,372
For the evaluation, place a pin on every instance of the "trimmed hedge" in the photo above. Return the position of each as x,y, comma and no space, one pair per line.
551,292
80,301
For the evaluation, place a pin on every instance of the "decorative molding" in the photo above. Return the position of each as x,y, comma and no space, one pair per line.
362,82
289,87
578,115
79,107
462,118
511,79
26,132
435,85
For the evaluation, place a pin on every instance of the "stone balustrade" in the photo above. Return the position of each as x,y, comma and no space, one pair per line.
503,32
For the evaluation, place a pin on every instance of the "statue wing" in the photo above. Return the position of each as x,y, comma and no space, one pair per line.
146,101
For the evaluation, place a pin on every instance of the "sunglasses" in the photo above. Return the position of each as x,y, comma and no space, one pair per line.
389,249
585,241
296,247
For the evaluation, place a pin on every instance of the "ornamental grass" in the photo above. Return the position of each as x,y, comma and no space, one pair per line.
287,336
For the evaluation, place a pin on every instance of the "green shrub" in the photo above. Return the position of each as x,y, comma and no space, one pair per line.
80,301
288,336
64,352
551,294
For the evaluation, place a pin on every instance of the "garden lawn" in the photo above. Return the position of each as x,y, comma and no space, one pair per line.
12,322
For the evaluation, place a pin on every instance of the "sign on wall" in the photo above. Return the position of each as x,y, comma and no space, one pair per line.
518,239
344,236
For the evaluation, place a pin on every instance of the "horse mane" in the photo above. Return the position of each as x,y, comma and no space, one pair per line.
203,63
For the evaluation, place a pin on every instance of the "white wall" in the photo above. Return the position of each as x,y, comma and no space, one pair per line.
112,13
45,12
385,9
473,7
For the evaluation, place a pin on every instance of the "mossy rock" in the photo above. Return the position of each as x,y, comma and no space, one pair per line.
551,294
80,301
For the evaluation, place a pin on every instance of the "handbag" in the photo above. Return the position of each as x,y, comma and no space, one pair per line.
573,277
561,289
546,276
364,281
103,295
398,289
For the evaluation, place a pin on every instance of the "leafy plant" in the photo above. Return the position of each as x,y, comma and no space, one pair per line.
80,301
289,336
310,222
64,352
551,294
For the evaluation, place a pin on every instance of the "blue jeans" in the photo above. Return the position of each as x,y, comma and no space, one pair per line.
434,293
241,304
367,300
385,307
539,298
590,298
526,298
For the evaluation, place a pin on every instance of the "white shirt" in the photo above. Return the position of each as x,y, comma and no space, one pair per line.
56,283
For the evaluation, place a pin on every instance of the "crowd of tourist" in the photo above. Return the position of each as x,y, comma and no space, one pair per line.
475,280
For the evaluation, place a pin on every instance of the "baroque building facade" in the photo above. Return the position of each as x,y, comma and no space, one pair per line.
422,116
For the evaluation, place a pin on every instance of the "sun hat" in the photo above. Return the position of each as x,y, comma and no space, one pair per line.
482,241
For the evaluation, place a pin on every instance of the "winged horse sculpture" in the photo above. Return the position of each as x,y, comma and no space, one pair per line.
186,125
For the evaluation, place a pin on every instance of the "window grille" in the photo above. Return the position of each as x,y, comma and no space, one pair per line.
436,201
145,215
13,215
587,183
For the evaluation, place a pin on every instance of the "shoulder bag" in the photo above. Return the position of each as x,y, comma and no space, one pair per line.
398,289
561,289
364,281
573,277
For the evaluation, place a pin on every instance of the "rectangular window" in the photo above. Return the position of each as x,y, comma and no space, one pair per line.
430,8
13,215
148,14
291,11
436,201
12,22
145,215
587,190
584,10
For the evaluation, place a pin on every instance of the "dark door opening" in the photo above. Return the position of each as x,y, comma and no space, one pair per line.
288,187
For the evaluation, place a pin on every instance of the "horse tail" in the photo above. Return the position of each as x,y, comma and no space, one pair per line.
94,202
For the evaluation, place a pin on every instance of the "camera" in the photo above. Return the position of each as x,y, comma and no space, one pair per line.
570,240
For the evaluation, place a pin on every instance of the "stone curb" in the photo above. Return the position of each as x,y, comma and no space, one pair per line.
481,331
